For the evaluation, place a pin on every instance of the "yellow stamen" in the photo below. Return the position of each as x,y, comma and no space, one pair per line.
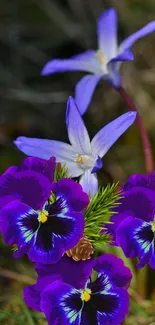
101,57
43,216
86,295
153,226
79,159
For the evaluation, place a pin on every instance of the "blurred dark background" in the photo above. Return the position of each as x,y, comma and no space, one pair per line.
31,33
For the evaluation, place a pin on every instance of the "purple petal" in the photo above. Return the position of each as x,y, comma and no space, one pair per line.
113,76
58,234
77,131
152,259
124,56
114,267
114,65
86,61
129,41
139,202
147,181
32,296
84,91
109,134
89,182
69,271
29,187
5,199
61,304
116,219
18,223
72,192
135,237
106,307
151,181
66,270
107,33
136,180
47,168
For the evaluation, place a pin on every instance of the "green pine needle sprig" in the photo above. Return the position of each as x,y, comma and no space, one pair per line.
98,213
61,172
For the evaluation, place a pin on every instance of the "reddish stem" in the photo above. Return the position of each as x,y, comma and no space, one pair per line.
145,139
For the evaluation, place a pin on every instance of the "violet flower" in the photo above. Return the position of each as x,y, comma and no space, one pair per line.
44,219
104,63
68,296
82,157
36,174
133,227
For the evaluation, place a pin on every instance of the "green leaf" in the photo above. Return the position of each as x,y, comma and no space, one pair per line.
9,315
98,213
27,313
61,172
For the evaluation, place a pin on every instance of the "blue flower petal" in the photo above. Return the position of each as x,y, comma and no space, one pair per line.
109,134
84,91
107,33
86,61
77,131
89,182
129,41
124,56
45,149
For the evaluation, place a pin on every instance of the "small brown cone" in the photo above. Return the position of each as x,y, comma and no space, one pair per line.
82,251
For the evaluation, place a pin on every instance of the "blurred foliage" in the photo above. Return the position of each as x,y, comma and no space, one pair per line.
32,32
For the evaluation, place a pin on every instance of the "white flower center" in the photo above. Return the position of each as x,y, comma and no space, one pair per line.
85,162
103,60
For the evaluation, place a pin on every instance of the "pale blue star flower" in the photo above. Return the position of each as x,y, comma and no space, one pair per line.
104,63
82,157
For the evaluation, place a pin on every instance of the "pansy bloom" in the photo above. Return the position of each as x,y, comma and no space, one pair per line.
134,225
65,300
82,157
44,219
104,63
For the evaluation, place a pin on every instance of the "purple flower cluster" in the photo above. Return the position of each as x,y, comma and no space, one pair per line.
44,217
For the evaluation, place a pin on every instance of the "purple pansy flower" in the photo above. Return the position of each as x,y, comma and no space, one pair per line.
44,219
31,172
36,174
82,157
72,298
133,227
103,63
66,270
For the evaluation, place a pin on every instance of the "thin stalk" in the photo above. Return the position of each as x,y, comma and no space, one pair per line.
144,136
